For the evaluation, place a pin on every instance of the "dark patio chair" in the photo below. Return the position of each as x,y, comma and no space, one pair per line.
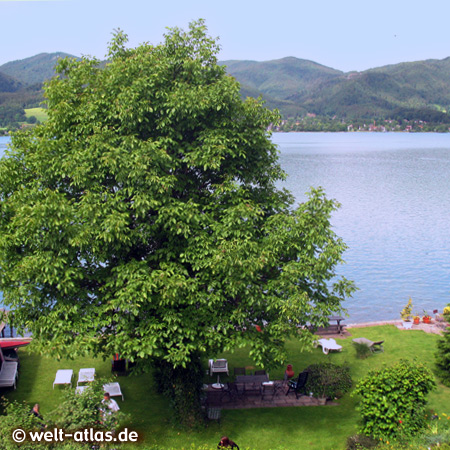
299,386
281,386
239,371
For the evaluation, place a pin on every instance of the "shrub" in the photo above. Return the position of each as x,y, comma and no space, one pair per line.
443,358
328,380
75,412
393,400
18,416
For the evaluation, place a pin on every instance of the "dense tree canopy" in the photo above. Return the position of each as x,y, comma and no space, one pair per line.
143,217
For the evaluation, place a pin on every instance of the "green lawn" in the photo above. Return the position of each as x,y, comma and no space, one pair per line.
39,113
315,428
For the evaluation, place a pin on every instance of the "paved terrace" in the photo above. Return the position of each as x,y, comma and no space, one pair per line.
217,399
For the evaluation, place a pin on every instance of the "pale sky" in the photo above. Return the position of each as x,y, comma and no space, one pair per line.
345,35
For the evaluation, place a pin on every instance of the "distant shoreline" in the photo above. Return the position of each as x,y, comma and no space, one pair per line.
434,327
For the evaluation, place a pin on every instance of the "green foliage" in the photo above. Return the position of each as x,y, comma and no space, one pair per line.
146,203
82,411
443,357
17,416
143,216
75,413
393,400
11,115
328,380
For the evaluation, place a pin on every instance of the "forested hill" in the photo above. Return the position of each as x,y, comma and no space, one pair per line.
9,84
297,87
381,92
282,78
34,70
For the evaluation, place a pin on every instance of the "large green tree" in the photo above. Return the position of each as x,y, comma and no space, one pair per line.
143,216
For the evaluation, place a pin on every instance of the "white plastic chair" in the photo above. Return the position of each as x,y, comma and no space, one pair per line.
218,366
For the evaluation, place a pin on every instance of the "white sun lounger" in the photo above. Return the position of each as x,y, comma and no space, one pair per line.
9,371
113,389
329,344
9,374
85,375
63,376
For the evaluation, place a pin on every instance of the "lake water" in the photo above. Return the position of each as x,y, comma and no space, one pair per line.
394,189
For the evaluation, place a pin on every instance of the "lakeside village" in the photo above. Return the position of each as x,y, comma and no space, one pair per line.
312,122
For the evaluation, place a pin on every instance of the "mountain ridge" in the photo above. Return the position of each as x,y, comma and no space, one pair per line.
293,85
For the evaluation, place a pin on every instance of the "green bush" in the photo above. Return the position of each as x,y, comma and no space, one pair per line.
328,380
443,358
76,412
393,400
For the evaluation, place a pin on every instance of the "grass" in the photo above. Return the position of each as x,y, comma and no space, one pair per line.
315,428
39,113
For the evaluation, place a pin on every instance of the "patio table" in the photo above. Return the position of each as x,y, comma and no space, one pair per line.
338,320
251,382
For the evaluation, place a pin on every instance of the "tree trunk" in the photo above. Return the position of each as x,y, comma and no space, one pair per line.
183,387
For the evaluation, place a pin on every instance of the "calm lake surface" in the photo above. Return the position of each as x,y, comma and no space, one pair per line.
394,189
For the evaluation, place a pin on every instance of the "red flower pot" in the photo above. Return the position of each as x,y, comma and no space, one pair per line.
426,319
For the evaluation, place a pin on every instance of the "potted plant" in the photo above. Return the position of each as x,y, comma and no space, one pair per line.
416,319
426,317
406,314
